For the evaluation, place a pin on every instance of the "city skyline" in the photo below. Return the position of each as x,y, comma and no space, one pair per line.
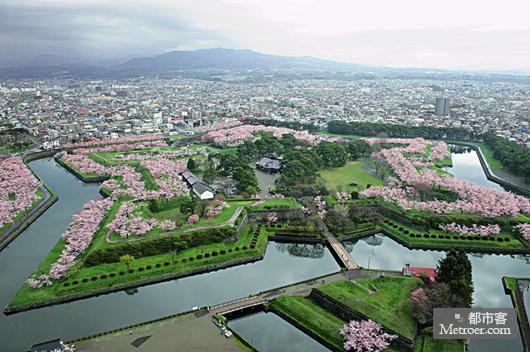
458,36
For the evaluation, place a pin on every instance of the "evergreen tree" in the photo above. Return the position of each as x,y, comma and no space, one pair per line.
191,164
455,271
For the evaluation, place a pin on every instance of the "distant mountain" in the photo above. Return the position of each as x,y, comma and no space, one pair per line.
209,64
227,59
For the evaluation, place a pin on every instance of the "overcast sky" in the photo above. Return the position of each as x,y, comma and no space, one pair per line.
456,34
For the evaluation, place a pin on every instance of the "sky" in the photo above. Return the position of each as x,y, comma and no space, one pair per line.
448,34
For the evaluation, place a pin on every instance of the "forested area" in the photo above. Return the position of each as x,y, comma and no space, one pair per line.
513,156
398,131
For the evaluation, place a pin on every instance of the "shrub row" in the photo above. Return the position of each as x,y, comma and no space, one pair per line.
460,237
156,246
447,236
255,236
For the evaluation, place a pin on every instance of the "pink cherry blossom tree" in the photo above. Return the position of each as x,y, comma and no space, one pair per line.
365,336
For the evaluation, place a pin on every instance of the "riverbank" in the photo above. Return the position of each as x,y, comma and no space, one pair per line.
35,211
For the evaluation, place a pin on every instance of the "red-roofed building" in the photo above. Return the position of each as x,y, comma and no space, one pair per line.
417,272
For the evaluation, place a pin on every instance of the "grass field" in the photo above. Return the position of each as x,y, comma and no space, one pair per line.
352,172
492,162
382,299
287,202
180,263
429,344
305,313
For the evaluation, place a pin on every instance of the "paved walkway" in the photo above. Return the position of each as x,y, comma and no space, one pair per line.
190,332
230,221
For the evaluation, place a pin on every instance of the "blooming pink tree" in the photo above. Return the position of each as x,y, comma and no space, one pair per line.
413,173
524,230
365,336
483,230
193,218
120,140
237,135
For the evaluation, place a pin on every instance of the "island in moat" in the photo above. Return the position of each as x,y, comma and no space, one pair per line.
175,208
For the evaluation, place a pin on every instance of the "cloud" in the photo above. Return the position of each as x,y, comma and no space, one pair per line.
413,33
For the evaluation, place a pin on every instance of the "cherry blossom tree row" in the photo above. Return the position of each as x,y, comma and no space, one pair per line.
18,189
482,230
413,174
120,140
237,135
123,146
76,239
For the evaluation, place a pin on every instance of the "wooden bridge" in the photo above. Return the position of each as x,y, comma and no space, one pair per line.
338,248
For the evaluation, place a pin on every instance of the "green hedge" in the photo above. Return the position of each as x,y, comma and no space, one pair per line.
156,246
158,205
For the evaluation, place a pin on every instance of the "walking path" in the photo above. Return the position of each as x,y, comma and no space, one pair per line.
230,221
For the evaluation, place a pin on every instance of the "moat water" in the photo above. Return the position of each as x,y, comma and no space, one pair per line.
283,264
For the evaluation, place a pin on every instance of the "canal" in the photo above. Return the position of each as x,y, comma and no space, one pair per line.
466,166
269,332
283,264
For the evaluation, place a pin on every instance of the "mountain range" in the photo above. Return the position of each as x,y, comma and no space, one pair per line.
216,60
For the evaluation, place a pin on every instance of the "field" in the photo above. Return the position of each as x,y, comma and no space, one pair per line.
102,276
492,162
382,299
429,344
351,173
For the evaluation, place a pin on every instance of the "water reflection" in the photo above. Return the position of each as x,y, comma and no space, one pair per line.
76,319
270,333
302,249
265,180
466,166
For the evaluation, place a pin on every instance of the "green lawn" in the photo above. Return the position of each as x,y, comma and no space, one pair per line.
429,344
484,242
382,299
180,263
352,172
492,162
312,317
174,214
288,202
